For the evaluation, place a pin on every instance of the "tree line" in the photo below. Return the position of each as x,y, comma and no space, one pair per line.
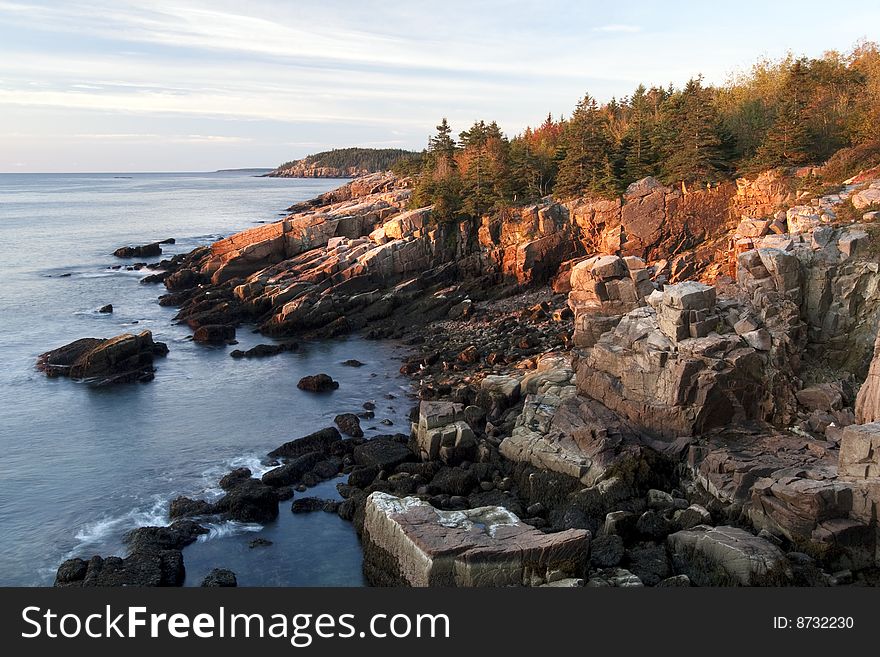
369,159
788,112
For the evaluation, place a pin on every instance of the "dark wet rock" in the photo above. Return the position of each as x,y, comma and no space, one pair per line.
352,362
184,507
311,504
124,359
263,350
383,451
214,334
249,501
146,251
284,493
260,542
293,471
648,562
106,309
234,478
363,476
319,441
155,559
454,481
653,525
158,277
317,383
349,424
606,551
182,279
220,577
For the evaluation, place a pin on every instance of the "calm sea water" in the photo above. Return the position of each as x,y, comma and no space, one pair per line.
80,466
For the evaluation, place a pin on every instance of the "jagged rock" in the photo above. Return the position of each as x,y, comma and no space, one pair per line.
183,279
407,541
443,434
621,523
727,556
321,441
821,397
145,251
263,350
232,479
673,387
220,577
648,562
317,383
606,551
123,359
603,288
293,471
251,500
349,424
692,516
312,504
383,451
214,334
106,309
154,559
860,451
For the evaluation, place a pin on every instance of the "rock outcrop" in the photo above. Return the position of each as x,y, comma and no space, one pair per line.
728,556
409,542
124,359
154,559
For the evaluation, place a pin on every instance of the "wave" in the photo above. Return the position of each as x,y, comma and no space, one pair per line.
109,531
227,528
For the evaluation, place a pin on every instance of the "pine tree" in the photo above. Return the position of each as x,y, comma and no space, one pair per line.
788,141
587,148
639,157
690,135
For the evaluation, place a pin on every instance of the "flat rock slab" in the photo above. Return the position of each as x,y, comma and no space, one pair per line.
408,541
727,556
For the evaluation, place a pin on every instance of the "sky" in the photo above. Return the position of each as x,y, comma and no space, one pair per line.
188,85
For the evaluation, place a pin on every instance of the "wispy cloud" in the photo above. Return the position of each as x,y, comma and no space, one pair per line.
618,27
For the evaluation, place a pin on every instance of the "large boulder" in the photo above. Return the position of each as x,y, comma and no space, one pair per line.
123,359
409,542
146,251
604,288
443,434
860,451
319,441
727,556
675,368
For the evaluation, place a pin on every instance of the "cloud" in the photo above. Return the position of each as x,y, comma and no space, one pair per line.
618,27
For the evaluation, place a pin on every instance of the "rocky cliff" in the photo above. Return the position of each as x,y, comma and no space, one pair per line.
674,371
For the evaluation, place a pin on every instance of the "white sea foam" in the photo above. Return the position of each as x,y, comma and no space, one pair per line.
227,528
109,530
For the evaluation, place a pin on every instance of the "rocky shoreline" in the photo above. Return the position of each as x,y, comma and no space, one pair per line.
662,390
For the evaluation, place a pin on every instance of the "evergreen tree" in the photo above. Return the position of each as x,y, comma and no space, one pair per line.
587,145
690,136
788,141
639,159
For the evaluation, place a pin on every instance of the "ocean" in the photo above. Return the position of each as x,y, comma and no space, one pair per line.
80,466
